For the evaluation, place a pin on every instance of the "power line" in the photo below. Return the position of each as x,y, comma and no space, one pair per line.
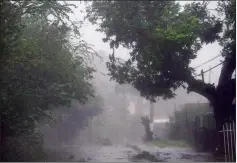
210,69
207,3
213,67
207,61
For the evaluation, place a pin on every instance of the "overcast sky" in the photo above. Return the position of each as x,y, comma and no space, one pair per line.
91,36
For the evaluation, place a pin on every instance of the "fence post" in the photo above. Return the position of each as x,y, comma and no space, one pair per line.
231,142
234,133
228,143
228,132
223,132
234,146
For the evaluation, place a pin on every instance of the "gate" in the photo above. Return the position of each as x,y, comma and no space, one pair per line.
228,132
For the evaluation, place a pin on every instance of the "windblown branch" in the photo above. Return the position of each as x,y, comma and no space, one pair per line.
208,90
204,89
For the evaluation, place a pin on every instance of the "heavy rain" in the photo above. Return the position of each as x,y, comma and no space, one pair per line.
118,81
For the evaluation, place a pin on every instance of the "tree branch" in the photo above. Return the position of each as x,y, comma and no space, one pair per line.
202,88
208,90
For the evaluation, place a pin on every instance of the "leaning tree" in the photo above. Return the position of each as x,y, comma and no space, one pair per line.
41,70
164,37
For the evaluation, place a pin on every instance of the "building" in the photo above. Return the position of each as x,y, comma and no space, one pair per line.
159,128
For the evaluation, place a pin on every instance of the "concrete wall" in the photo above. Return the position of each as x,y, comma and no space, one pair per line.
159,131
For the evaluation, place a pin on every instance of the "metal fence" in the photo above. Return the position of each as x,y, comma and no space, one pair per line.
228,132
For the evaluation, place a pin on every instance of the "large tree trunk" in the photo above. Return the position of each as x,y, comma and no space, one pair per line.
223,113
221,99
222,96
223,107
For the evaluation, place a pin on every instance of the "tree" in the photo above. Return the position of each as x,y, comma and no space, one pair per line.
164,39
146,123
41,69
73,120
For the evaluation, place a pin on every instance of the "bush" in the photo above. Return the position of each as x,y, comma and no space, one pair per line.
187,124
26,147
41,70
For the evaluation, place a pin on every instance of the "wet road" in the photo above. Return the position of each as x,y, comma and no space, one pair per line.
114,153
174,154
132,153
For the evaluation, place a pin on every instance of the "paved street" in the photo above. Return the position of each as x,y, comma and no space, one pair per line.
125,153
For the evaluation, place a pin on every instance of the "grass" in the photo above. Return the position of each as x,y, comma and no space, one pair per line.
170,143
145,156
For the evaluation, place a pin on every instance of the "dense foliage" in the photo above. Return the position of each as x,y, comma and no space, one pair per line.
164,37
151,29
41,68
70,122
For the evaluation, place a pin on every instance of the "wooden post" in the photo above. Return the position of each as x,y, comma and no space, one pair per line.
202,74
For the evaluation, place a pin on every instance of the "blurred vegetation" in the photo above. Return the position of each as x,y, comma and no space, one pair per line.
69,122
193,124
150,28
41,70
170,143
185,118
146,123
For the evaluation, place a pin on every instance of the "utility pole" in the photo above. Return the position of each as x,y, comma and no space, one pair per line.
90,128
210,75
125,118
151,111
175,112
125,109
151,116
186,119
138,106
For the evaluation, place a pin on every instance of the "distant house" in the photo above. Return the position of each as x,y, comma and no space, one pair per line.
159,128
194,106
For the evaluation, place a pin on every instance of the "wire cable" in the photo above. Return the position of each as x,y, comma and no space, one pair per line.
207,61
210,69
